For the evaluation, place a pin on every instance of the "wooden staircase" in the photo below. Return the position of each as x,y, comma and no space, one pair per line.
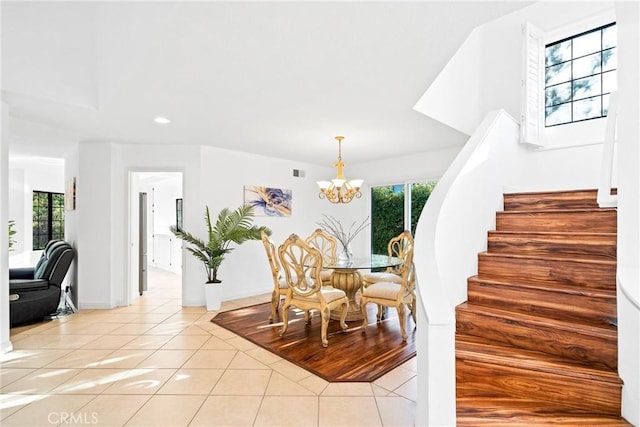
536,342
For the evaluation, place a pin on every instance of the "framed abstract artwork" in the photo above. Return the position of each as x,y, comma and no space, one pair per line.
70,194
267,201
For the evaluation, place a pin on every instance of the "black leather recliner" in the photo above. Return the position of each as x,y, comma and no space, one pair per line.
35,292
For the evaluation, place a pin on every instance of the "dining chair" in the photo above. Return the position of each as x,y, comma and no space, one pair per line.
392,294
302,265
401,247
279,284
327,246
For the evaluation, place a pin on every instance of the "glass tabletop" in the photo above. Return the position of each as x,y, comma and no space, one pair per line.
373,261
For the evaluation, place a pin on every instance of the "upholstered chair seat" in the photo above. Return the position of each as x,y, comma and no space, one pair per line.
382,276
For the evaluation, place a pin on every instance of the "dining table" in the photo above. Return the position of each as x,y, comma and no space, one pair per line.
345,276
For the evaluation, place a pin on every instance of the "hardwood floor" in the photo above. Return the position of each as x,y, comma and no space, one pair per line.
536,341
352,356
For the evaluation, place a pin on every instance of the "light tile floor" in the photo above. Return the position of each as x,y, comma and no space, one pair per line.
157,363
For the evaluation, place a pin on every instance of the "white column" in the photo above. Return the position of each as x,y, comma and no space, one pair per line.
5,342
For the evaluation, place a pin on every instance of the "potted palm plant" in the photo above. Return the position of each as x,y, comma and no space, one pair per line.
12,232
230,227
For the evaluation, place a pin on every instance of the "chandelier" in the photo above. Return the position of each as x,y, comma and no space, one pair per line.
339,190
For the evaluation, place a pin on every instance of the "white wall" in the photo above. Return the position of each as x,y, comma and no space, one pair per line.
71,223
233,170
485,73
16,213
458,83
629,208
213,177
502,61
95,222
415,167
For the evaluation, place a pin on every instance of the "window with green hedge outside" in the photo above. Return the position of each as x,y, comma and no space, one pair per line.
48,218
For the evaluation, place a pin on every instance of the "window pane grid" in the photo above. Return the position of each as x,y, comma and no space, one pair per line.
579,75
48,218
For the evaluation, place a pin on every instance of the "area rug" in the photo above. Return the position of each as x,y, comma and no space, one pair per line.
351,356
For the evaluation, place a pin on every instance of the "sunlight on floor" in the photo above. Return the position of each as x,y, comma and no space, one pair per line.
158,363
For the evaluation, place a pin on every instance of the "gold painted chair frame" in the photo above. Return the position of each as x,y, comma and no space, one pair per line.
401,247
393,294
302,265
328,247
279,284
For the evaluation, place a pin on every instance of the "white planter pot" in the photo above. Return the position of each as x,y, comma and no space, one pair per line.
212,293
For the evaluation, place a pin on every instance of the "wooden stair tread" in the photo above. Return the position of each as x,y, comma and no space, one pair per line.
601,331
511,411
551,199
484,351
603,262
558,211
543,234
540,286
584,219
591,192
536,342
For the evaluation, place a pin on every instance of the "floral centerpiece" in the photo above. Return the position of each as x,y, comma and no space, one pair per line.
334,228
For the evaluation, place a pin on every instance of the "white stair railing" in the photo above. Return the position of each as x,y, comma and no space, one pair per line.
452,229
605,198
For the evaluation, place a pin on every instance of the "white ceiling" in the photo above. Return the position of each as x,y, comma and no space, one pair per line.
273,78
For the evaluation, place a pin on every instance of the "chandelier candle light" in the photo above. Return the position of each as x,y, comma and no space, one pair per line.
333,227
339,190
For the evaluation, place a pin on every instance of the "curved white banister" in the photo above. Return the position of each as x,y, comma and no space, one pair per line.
626,276
452,229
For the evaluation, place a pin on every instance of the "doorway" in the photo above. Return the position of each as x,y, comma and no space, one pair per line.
155,259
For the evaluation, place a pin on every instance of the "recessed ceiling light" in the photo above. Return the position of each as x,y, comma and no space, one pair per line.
162,120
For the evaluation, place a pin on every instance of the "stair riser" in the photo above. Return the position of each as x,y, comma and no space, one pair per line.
576,345
590,247
555,305
588,275
480,379
561,200
509,411
600,221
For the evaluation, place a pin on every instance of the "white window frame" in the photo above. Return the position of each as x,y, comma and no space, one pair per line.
532,130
